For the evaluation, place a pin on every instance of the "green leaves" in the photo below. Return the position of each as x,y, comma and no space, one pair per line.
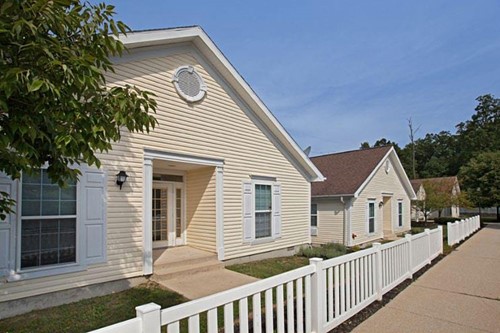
54,103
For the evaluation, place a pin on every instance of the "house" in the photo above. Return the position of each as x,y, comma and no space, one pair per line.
366,196
448,188
218,173
418,205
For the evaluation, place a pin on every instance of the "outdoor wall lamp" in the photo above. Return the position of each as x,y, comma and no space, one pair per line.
121,178
380,204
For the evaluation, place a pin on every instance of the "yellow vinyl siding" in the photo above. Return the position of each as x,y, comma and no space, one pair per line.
217,127
380,185
330,221
200,208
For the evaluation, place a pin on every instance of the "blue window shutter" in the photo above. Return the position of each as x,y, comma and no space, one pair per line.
93,215
276,210
7,250
248,211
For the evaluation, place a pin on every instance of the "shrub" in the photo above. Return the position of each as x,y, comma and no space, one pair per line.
326,251
445,220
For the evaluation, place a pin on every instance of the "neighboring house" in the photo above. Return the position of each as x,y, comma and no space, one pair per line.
418,205
218,173
449,188
366,196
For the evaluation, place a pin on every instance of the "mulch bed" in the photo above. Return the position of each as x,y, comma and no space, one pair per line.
364,314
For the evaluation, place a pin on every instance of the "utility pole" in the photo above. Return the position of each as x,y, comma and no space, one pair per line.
412,140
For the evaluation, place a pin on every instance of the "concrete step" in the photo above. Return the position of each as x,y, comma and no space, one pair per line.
166,271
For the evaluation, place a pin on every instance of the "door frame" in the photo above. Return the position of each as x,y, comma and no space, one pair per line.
149,156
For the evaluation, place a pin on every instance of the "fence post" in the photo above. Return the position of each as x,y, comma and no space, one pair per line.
449,233
378,267
318,291
462,234
410,256
428,237
151,317
440,239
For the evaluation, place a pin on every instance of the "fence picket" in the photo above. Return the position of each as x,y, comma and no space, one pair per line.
290,311
256,311
228,318
280,312
300,306
243,308
269,311
194,324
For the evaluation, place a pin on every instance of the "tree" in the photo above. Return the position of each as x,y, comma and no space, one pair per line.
482,132
439,195
481,178
55,106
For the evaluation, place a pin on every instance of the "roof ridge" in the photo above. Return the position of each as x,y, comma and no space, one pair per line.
352,151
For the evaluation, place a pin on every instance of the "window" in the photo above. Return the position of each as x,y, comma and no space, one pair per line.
263,210
371,217
48,222
314,215
400,213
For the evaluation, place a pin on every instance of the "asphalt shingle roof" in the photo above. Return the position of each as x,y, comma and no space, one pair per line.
345,172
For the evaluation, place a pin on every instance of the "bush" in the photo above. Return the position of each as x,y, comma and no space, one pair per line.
488,219
445,220
326,251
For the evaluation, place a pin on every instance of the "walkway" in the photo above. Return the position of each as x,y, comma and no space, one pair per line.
459,294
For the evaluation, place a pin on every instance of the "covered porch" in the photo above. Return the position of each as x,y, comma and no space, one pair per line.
183,202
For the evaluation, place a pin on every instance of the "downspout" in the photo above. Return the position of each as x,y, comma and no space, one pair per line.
344,221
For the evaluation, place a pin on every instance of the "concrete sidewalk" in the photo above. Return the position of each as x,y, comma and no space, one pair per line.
459,294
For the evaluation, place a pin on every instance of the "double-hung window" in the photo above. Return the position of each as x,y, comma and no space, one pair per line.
400,213
48,222
314,215
314,219
371,216
263,210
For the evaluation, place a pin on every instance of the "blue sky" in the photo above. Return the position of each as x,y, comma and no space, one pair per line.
337,73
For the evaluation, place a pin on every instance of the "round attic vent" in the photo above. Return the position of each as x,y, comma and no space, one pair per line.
189,84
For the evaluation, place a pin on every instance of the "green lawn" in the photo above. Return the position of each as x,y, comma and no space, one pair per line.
91,313
269,267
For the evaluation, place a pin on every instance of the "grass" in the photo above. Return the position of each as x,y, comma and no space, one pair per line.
90,314
269,267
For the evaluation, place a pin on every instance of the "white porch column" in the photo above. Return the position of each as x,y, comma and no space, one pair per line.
219,210
147,225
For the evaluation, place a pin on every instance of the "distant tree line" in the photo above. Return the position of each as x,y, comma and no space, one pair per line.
472,153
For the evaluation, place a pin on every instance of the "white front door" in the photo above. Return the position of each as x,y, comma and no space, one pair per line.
168,214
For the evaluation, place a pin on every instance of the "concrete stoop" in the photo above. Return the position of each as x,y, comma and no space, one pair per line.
183,262
194,273
185,269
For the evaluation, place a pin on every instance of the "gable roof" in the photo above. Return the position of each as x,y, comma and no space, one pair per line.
347,173
444,184
416,183
197,37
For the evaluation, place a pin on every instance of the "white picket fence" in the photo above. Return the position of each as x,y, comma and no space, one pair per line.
459,230
314,298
